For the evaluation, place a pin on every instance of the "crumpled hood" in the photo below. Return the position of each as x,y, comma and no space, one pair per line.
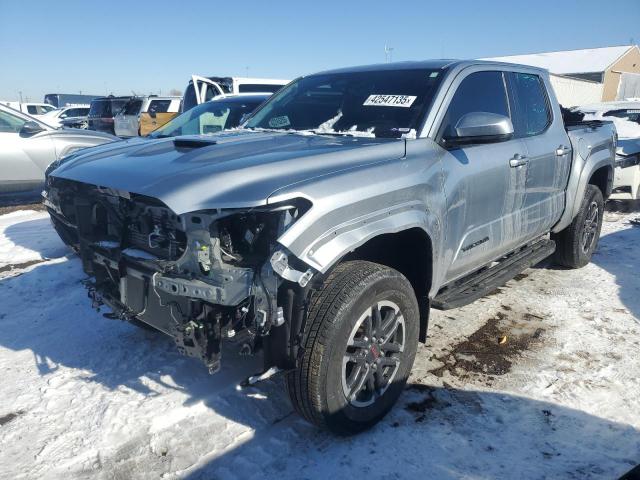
241,169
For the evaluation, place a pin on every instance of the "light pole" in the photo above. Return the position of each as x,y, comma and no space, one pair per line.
388,53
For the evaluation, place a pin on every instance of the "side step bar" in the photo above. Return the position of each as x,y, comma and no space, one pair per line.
479,284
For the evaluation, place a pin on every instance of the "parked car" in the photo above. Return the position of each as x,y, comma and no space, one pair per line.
322,230
102,111
202,89
626,117
28,146
221,113
142,115
59,100
75,122
55,117
30,108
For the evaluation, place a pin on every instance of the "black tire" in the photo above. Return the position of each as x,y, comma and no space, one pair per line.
573,250
318,388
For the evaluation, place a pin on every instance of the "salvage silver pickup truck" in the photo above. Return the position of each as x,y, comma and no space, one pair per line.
321,232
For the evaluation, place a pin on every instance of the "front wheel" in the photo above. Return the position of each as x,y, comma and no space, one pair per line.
359,345
576,243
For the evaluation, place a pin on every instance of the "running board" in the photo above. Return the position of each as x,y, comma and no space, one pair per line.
479,284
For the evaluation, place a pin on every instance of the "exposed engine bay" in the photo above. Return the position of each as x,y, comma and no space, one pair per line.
199,277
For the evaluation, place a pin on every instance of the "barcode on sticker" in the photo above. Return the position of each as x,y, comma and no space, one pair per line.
278,122
404,101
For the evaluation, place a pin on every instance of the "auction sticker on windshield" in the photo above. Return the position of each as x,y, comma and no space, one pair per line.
377,100
279,122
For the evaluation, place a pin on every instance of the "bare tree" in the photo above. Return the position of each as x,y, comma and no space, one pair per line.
174,92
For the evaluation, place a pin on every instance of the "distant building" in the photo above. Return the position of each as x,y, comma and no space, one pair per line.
615,69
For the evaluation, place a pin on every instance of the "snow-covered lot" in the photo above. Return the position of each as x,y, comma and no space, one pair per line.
539,380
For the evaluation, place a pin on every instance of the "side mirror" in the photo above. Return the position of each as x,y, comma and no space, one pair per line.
152,113
30,128
480,127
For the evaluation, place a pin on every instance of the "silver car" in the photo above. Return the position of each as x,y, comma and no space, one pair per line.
28,146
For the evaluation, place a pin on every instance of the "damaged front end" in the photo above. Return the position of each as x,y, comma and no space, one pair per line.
200,277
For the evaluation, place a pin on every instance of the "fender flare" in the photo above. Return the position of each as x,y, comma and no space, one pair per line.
326,250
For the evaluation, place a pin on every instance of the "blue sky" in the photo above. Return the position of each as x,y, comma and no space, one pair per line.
147,47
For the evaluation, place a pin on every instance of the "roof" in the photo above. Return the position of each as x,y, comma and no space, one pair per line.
240,97
417,65
440,64
570,61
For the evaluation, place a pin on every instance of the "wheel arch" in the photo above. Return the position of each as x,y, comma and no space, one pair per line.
408,251
603,179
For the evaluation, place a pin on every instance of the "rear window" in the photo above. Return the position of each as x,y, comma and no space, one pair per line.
117,105
132,107
258,88
100,108
159,106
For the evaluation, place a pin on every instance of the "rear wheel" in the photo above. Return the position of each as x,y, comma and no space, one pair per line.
576,243
359,345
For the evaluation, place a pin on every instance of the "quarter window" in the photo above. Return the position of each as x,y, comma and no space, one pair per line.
532,116
479,92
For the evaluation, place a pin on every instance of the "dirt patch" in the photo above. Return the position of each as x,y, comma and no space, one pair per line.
20,266
492,348
4,419
429,402
14,208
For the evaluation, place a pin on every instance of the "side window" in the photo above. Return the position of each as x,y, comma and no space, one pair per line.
10,123
159,106
532,116
32,110
479,92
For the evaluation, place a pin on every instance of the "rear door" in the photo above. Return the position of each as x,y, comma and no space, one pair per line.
548,152
126,121
483,191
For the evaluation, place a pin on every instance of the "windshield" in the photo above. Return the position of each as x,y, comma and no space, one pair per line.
207,118
374,103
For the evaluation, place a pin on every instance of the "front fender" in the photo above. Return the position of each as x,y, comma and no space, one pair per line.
333,244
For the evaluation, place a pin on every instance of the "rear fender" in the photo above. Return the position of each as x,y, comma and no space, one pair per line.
586,161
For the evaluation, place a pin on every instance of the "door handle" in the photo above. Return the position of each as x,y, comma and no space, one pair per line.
562,150
518,160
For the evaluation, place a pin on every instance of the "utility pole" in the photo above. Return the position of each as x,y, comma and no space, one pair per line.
246,71
388,54
20,92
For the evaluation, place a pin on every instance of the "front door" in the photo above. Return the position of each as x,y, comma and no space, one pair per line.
23,159
483,182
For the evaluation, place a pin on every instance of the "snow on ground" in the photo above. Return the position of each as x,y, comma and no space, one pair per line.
539,380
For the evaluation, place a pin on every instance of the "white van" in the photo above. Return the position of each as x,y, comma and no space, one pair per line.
203,89
30,108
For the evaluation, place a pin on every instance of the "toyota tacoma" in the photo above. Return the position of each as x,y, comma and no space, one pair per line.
321,232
